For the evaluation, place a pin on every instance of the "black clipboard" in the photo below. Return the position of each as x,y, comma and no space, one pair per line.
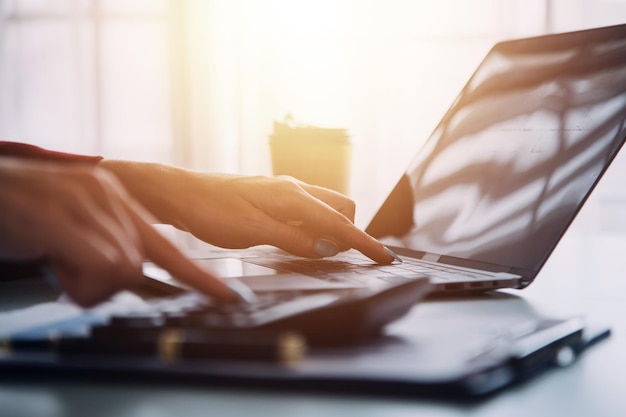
432,352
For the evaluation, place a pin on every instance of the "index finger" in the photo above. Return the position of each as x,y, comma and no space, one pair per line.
320,216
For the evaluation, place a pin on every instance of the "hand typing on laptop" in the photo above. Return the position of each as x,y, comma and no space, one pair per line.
234,211
90,221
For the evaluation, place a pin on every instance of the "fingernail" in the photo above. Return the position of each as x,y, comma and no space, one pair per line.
325,248
392,253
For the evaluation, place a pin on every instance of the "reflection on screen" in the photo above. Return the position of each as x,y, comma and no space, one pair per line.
506,170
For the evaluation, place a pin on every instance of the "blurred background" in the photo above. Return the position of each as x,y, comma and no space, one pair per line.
199,83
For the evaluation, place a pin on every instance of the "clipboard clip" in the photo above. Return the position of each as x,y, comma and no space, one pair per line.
523,351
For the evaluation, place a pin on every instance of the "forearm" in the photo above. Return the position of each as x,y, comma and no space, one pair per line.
156,186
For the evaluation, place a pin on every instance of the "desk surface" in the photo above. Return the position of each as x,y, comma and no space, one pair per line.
584,275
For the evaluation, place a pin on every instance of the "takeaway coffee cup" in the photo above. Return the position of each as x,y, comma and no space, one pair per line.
315,155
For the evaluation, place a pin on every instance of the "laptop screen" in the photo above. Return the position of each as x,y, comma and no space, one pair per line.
512,161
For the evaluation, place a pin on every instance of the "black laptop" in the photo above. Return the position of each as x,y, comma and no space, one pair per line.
514,159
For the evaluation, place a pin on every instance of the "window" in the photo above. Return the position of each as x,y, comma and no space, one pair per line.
89,76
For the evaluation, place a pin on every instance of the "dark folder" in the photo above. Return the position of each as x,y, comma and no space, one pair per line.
441,348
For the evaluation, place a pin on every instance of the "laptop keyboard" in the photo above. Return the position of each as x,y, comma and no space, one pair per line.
352,266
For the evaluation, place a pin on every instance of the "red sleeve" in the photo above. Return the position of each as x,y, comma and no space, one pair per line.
23,150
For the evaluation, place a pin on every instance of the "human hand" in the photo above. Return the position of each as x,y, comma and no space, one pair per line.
236,211
94,234
303,219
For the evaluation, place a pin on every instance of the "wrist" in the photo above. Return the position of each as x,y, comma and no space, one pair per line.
155,186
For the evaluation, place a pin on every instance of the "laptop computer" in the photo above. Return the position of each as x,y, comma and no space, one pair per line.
492,191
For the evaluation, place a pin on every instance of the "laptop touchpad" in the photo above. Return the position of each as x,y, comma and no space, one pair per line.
257,277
